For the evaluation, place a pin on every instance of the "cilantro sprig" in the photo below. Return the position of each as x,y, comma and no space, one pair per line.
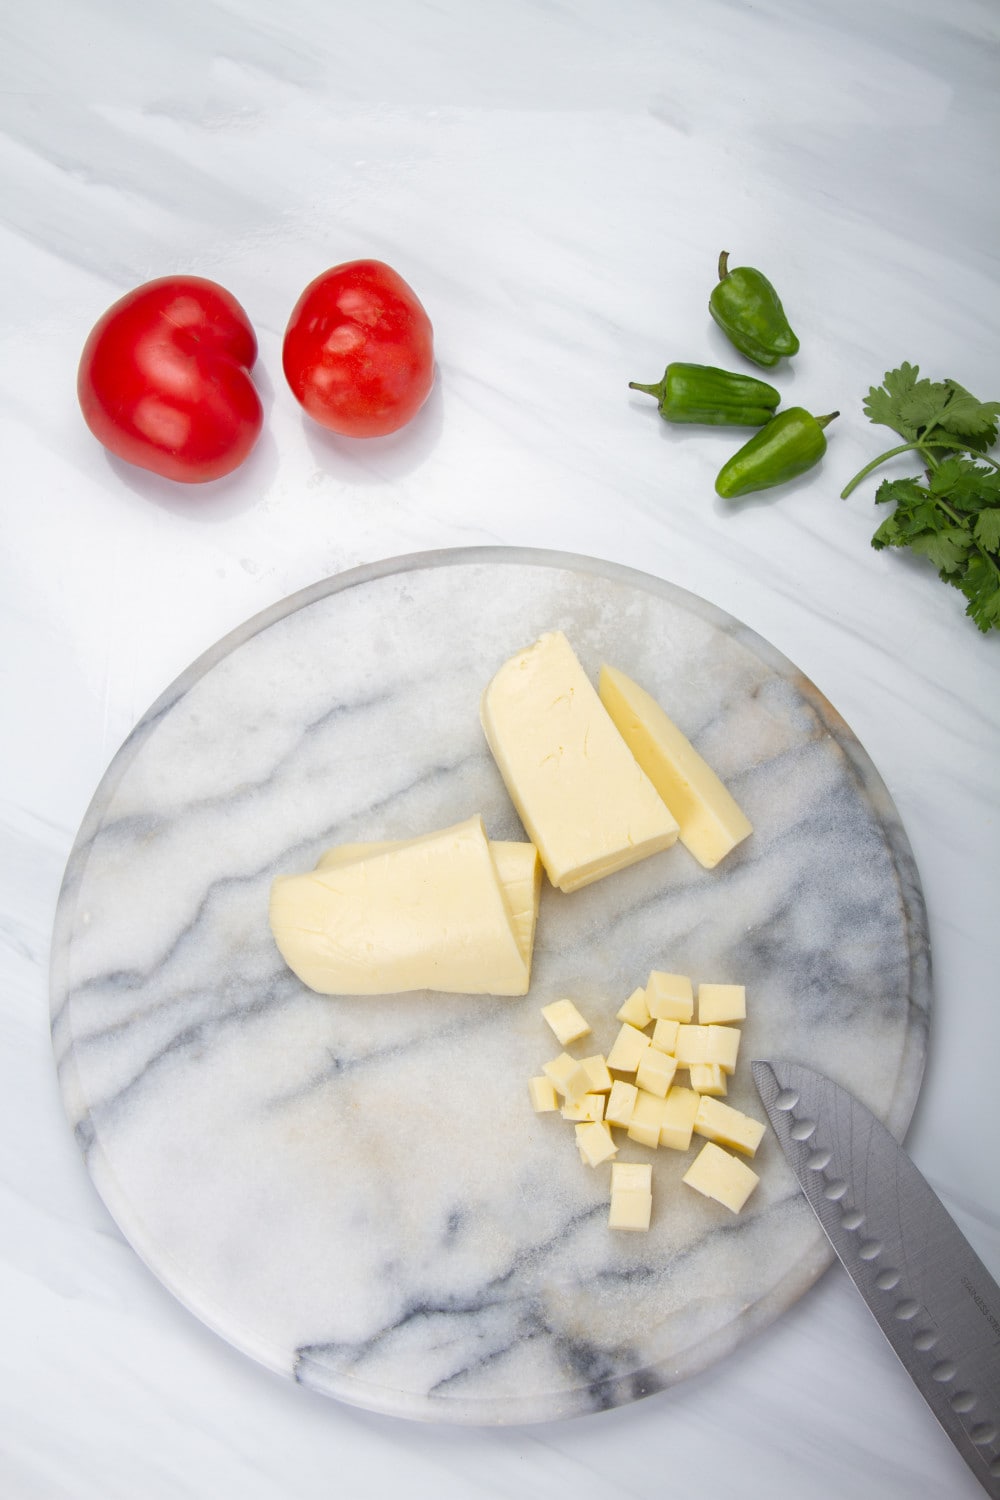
952,515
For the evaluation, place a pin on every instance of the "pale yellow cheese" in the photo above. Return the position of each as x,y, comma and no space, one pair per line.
720,1003
711,822
691,1045
631,1176
635,1010
568,1076
708,1078
426,913
565,1021
718,1175
722,1045
520,874
595,1142
627,1049
585,803
727,1126
677,1118
630,1209
597,1071
587,1107
669,997
655,1072
621,1103
542,1094
518,868
647,1119
664,1036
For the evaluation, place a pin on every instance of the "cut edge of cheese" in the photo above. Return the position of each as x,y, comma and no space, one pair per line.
424,913
711,821
584,801
518,868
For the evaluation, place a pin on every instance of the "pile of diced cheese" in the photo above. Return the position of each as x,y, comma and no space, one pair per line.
634,1088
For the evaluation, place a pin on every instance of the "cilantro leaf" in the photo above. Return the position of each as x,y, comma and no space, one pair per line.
947,549
924,406
952,520
952,517
965,484
883,403
987,529
965,417
979,585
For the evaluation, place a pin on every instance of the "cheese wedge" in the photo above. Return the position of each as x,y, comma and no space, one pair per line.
586,805
425,913
518,867
711,822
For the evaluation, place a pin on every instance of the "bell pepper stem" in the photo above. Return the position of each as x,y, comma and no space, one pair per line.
723,264
651,390
825,421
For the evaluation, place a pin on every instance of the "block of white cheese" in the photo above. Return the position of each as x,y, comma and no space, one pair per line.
518,868
711,822
425,913
585,803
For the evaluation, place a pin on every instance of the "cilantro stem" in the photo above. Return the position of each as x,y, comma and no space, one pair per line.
876,462
923,445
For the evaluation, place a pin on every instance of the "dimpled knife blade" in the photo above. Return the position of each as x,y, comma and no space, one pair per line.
930,1293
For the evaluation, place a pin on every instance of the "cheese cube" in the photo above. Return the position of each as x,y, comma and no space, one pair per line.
665,1035
542,1094
722,1046
635,1010
595,1142
718,1175
621,1103
597,1071
589,1107
677,1118
647,1119
566,1021
569,1077
719,1003
692,1046
670,997
708,1078
627,1049
711,822
586,805
631,1176
655,1072
727,1126
630,1209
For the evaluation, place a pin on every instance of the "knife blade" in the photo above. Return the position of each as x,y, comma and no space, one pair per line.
930,1293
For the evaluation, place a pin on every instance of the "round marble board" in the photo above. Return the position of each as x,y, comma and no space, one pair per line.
356,1191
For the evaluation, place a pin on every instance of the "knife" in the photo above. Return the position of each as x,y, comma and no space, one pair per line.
930,1293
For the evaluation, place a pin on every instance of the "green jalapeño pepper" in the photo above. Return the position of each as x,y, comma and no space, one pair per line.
749,312
715,398
790,444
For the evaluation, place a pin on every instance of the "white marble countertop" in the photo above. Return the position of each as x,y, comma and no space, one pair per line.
556,182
